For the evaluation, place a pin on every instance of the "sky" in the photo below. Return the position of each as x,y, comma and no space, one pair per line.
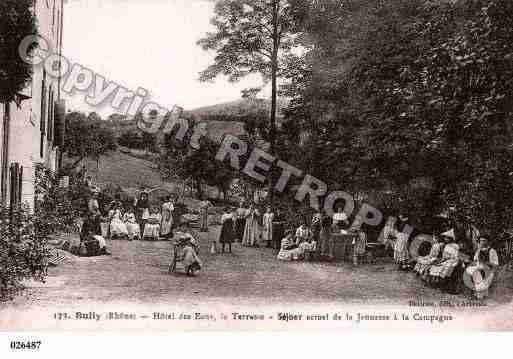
149,44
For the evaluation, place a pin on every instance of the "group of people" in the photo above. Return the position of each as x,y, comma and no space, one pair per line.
450,262
141,220
250,227
318,240
132,221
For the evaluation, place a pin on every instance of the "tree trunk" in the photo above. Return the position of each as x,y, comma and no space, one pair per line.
274,71
199,189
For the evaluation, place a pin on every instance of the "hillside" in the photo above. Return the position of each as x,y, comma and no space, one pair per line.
127,171
132,173
238,108
224,118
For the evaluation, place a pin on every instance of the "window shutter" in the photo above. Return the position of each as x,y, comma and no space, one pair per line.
43,114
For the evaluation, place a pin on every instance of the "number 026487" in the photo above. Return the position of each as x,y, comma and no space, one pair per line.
25,345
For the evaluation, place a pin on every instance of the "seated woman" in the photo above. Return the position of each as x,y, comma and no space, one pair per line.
482,271
289,250
133,229
424,263
443,268
307,249
306,243
186,252
117,226
152,226
303,234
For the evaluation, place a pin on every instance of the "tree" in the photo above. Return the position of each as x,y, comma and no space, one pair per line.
131,139
252,36
87,138
16,23
180,163
421,89
149,142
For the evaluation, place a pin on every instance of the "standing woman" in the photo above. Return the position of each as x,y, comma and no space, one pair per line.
204,205
226,236
325,238
240,222
252,229
267,223
143,210
316,225
278,228
94,214
166,226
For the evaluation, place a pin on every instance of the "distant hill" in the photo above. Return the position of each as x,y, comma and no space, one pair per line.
238,108
221,119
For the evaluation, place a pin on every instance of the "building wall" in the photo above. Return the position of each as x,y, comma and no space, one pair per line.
27,146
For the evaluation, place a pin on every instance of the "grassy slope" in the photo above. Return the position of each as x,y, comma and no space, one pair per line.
127,171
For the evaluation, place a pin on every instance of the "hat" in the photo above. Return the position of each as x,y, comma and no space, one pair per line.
449,234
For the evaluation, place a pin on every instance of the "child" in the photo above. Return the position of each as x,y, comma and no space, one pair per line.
152,227
134,231
227,233
117,226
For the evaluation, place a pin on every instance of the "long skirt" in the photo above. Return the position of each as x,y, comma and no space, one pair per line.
134,231
240,224
267,232
278,234
423,264
226,235
151,231
444,269
188,256
166,225
481,278
118,228
251,234
401,254
142,217
290,254
326,243
204,220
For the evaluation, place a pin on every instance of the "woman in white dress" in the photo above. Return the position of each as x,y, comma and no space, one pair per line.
117,226
166,227
252,231
152,227
483,270
267,230
134,231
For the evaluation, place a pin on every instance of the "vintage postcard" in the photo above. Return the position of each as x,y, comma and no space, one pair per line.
249,165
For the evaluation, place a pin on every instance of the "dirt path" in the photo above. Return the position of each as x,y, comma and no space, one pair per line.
137,272
136,275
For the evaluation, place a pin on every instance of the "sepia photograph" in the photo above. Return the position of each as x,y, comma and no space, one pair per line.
255,165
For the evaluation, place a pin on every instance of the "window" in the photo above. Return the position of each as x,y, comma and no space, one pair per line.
15,193
43,114
49,132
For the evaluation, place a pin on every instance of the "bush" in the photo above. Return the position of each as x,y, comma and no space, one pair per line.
23,250
24,234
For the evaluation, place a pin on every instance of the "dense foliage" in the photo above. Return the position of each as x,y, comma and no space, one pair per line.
24,232
390,94
16,23
87,137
